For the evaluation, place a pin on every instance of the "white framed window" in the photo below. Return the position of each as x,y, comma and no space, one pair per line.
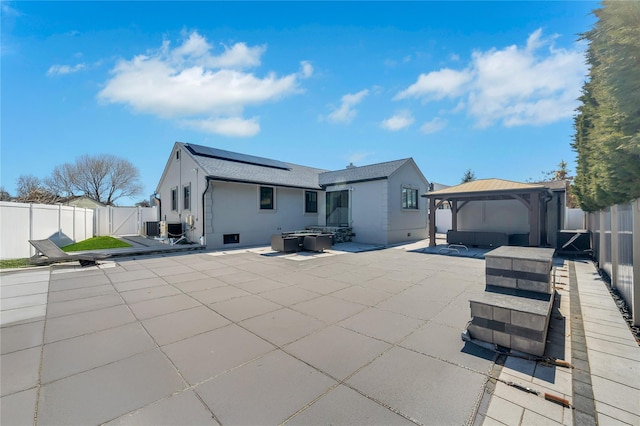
409,198
267,198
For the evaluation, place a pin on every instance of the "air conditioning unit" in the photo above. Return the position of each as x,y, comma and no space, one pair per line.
164,229
152,229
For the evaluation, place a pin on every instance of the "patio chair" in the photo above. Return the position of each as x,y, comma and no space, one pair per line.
47,253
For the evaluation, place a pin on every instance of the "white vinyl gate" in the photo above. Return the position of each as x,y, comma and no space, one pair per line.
123,220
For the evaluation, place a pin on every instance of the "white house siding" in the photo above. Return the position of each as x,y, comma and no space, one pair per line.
406,224
508,216
179,173
233,208
368,204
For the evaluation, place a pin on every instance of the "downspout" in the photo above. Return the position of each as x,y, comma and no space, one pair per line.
204,223
559,207
548,197
159,201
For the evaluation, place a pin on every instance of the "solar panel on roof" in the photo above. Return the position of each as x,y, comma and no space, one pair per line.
221,154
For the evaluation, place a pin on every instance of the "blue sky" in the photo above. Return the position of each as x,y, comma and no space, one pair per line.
489,86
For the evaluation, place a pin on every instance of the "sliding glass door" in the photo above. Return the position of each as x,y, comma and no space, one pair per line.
338,208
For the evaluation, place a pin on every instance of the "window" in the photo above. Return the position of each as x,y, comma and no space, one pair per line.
310,202
337,208
231,238
266,198
409,198
186,197
174,199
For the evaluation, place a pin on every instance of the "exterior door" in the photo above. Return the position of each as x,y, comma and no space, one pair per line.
338,208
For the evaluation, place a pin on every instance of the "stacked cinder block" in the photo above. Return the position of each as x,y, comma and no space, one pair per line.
515,309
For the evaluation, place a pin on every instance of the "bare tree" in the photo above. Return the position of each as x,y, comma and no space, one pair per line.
32,190
61,180
105,178
4,195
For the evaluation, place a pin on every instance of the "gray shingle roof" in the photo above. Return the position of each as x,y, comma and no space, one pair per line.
363,173
296,176
236,169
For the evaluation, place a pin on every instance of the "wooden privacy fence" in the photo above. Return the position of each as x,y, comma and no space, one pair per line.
616,245
21,222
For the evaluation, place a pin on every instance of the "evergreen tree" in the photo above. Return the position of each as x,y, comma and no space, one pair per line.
469,176
607,126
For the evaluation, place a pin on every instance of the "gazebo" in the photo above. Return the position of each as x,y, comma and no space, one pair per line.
532,195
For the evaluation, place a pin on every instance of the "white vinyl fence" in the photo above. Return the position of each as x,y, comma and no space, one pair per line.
443,220
20,222
575,219
615,233
124,220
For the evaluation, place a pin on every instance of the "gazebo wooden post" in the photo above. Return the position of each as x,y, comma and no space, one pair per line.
534,219
454,215
432,222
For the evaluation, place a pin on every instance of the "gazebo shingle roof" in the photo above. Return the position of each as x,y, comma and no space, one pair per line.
485,185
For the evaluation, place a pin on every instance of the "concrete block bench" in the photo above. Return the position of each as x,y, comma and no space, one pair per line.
511,321
522,268
515,309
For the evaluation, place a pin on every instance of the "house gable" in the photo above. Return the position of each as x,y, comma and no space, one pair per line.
371,172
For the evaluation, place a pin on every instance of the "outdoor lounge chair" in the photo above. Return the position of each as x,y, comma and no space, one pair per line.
47,253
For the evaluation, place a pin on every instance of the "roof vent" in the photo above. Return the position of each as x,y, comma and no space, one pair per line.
351,166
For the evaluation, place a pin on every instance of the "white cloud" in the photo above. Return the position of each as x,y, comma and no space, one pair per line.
189,82
358,157
345,113
64,69
390,63
196,50
8,10
516,86
433,126
531,85
398,121
437,85
306,69
230,126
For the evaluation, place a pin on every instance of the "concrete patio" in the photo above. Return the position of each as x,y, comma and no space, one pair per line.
251,338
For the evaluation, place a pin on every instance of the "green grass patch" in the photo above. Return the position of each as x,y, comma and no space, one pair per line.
14,263
96,243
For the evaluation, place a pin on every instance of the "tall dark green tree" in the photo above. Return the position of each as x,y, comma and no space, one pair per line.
607,126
